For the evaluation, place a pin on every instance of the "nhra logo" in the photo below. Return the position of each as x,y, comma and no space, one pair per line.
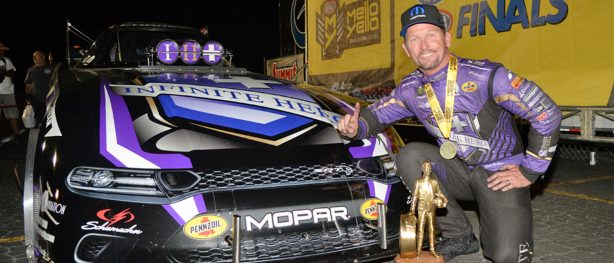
205,227
368,209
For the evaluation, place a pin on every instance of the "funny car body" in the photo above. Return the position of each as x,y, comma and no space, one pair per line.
154,149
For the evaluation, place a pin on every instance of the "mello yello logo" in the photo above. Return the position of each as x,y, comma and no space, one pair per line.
368,209
205,227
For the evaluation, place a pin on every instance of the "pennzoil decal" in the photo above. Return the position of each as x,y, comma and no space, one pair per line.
205,227
368,209
469,86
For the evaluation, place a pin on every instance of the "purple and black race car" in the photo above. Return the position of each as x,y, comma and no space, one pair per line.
154,150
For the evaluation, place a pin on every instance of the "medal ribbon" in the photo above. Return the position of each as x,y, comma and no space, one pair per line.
444,121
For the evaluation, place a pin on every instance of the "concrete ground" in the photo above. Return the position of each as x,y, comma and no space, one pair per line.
573,212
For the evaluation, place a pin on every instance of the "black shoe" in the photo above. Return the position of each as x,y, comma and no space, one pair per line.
452,247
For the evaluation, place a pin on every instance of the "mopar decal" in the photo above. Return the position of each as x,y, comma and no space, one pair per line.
368,209
205,227
297,217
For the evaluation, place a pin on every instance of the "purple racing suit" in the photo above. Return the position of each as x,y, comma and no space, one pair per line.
487,97
482,124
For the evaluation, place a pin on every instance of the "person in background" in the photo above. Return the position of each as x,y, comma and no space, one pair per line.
468,106
37,84
8,105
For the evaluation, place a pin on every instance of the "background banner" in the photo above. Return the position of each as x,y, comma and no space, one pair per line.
565,46
290,68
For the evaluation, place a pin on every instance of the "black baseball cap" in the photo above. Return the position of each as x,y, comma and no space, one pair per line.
419,14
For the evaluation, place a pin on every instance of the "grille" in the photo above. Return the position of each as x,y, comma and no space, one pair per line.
270,176
604,154
90,247
287,245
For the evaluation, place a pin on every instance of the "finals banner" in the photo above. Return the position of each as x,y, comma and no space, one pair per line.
564,46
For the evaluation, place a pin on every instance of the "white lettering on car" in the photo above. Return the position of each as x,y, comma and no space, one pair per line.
297,217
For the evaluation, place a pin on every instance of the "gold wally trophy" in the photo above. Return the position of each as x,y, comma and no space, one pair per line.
426,198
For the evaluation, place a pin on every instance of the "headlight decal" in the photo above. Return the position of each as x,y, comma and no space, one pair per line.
118,142
379,190
186,209
372,147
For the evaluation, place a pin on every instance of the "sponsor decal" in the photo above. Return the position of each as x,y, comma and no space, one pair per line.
517,82
123,217
354,24
46,236
284,72
416,12
420,91
477,76
539,97
205,227
276,102
546,103
544,149
50,206
475,62
297,217
542,116
338,169
476,15
529,95
368,208
469,86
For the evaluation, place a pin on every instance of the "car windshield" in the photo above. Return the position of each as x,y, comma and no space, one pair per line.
131,47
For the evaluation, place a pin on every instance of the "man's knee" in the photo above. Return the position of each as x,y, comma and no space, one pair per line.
417,149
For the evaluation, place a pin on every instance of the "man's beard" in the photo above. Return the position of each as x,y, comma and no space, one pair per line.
432,63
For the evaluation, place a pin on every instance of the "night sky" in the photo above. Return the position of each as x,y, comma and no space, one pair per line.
249,28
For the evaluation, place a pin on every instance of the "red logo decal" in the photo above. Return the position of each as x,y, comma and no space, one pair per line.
125,215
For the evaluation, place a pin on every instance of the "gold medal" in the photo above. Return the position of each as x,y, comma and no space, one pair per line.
444,118
448,150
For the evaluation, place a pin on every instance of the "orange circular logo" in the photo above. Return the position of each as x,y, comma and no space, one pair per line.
205,227
469,86
368,209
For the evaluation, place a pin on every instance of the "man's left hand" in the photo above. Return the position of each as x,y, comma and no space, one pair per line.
507,178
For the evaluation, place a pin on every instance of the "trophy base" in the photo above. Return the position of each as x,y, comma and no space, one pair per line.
425,257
